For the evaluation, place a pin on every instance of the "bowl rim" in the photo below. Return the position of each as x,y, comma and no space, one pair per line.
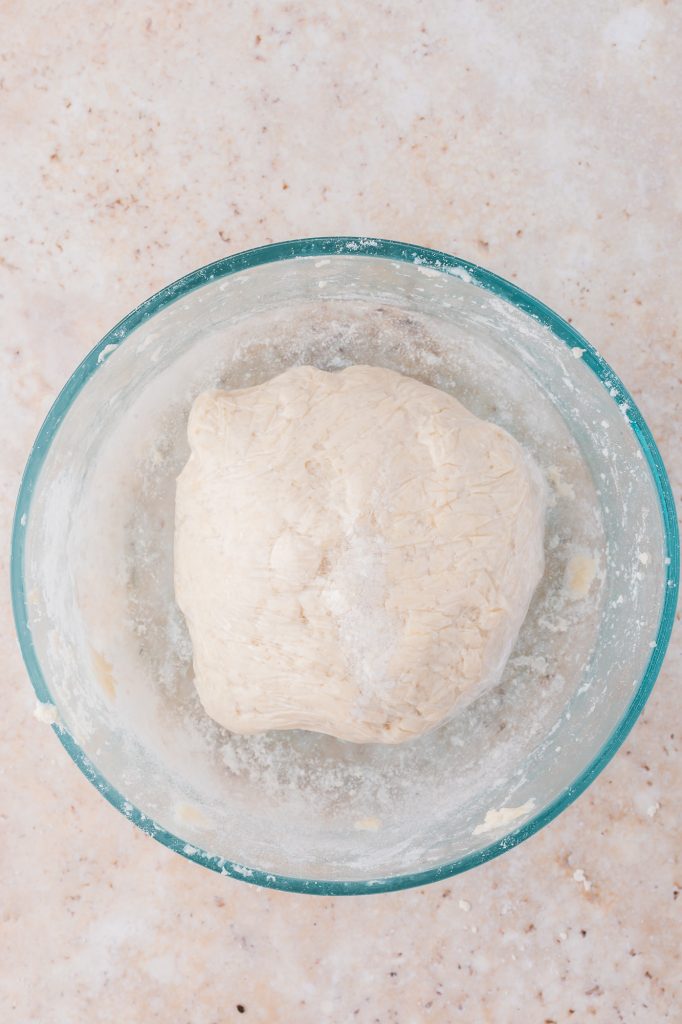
326,246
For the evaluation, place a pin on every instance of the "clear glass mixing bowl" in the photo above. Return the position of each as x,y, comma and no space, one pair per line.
107,650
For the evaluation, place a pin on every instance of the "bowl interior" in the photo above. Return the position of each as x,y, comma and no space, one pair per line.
109,647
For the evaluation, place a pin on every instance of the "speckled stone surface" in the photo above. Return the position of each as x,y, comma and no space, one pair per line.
141,140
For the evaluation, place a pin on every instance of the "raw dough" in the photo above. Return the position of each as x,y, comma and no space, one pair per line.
354,553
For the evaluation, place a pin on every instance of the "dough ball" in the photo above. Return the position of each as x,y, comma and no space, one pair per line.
354,553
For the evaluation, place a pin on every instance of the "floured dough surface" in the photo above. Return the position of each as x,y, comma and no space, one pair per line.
355,553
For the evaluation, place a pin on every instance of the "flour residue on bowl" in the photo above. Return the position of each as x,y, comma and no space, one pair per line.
497,819
291,802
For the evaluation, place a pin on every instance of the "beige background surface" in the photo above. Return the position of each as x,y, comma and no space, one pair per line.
142,140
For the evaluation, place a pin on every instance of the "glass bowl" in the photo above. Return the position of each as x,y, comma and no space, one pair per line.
107,650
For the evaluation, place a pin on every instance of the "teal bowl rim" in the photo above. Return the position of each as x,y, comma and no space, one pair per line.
382,249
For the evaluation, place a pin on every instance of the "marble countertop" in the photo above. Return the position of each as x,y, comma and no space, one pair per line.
143,140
